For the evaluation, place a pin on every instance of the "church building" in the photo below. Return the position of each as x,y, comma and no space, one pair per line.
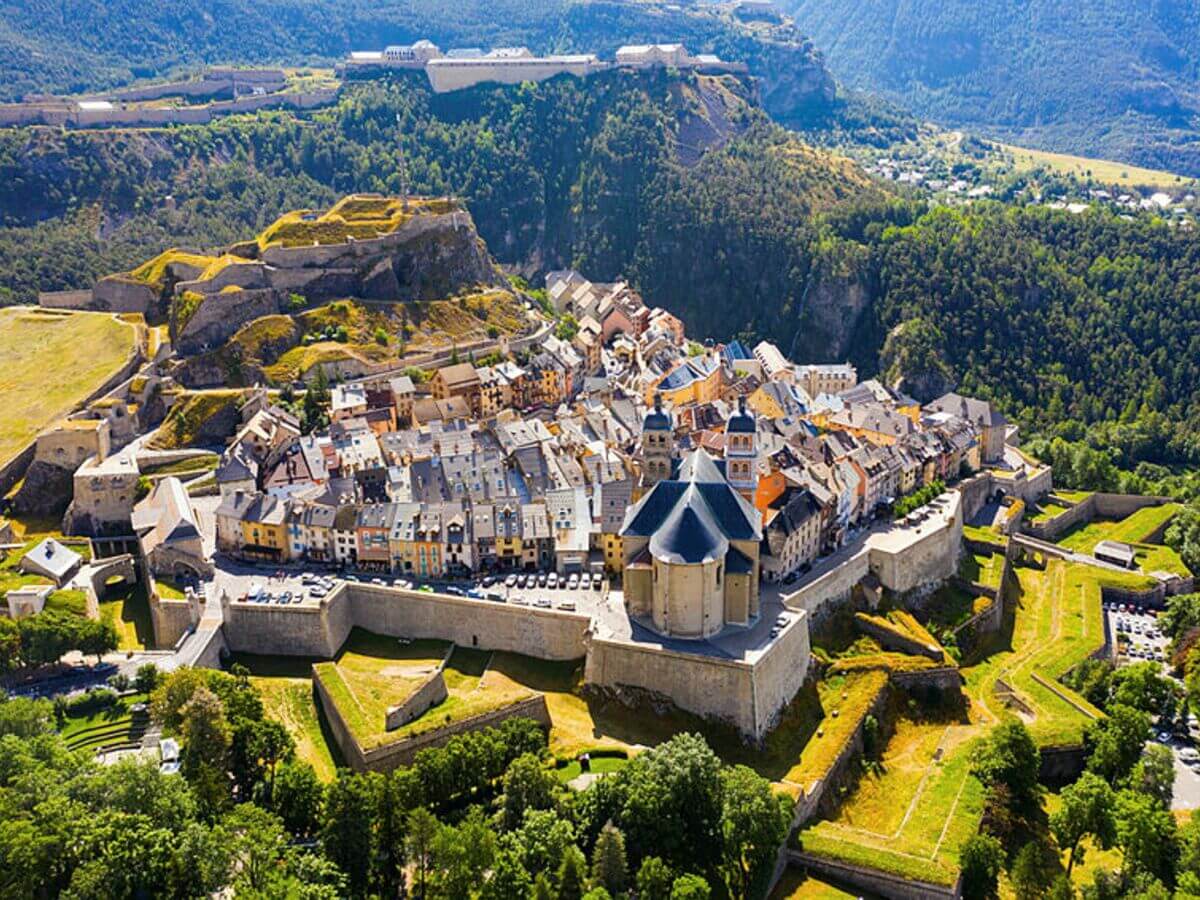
691,553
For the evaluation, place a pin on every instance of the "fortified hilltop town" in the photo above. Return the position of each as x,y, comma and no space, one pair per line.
423,453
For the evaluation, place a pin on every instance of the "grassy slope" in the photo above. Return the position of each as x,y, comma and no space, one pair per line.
1056,624
51,362
1106,171
1134,530
129,612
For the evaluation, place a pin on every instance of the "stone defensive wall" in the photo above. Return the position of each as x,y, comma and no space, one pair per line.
908,558
431,692
319,630
1094,506
63,113
894,639
834,587
748,695
387,757
874,881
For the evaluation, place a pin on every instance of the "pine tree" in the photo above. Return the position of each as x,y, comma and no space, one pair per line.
608,860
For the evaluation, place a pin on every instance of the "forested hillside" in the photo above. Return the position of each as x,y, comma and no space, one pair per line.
1116,79
1086,326
79,46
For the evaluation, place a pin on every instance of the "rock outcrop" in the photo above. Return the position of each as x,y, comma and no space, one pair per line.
429,257
46,491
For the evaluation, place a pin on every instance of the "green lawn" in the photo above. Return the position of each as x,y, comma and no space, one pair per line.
129,611
1074,496
374,673
1134,530
599,764
982,568
797,885
168,589
45,376
104,728
1047,511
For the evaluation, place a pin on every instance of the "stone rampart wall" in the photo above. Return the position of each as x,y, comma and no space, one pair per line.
171,618
892,639
59,113
320,630
975,492
546,634
874,881
65,299
402,752
926,559
718,688
282,630
119,294
428,695
780,673
834,586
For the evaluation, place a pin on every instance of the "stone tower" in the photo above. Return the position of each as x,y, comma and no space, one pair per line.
741,451
658,446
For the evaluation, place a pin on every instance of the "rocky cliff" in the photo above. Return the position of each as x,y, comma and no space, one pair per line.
368,247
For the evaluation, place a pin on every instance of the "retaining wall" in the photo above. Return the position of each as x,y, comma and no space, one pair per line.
320,630
749,696
834,586
401,753
423,699
873,881
1094,506
58,113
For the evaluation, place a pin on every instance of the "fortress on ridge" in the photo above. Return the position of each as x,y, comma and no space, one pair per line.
462,68
368,246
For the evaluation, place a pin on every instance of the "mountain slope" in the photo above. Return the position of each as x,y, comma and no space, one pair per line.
1116,79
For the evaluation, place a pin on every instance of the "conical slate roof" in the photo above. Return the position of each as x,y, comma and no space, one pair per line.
717,509
689,534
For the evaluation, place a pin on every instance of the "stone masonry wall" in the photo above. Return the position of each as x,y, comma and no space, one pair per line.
402,752
831,587
319,631
874,881
707,685
423,699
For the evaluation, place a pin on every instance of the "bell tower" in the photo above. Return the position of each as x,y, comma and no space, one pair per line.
741,451
658,445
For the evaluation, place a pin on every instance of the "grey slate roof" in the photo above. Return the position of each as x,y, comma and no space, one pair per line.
716,510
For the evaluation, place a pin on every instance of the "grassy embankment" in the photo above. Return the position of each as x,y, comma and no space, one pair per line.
1135,530
50,362
910,814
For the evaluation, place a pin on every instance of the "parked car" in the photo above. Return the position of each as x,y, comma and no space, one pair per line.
573,582
542,579
597,581
568,605
552,580
510,581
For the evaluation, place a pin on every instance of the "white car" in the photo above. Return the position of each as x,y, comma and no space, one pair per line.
572,582
510,581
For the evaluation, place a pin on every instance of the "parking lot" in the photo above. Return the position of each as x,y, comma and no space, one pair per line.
1142,639
1143,642
297,585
